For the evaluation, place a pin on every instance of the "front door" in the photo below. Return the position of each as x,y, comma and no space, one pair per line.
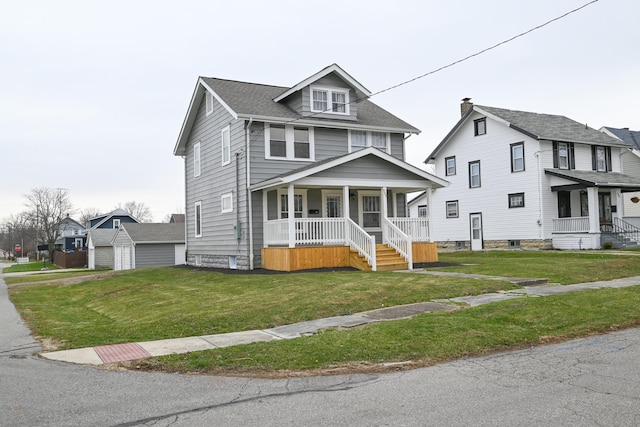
475,223
604,208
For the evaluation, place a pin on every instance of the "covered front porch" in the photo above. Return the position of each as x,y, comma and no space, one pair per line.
591,211
362,224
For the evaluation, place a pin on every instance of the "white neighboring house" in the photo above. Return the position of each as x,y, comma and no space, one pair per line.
630,166
527,180
100,248
148,244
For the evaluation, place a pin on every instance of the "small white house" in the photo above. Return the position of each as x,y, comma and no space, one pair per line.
148,244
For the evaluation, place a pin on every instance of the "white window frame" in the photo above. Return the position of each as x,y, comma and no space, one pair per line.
361,196
563,161
423,211
369,140
329,91
450,169
515,158
454,204
472,166
197,215
225,144
116,223
289,144
296,192
208,101
197,162
332,193
227,199
601,161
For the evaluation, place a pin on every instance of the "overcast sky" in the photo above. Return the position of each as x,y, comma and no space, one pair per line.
93,93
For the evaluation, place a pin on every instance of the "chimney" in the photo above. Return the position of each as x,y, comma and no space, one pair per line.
465,106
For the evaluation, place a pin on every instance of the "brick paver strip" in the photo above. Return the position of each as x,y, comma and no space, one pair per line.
121,352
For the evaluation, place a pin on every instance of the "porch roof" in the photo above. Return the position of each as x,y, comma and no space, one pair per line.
584,179
421,178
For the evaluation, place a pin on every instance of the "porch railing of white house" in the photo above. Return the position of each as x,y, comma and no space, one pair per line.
571,225
362,242
417,228
398,240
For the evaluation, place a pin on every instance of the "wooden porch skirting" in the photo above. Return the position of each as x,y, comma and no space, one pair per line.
309,257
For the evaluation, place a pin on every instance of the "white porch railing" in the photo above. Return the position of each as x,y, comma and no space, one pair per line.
571,225
319,231
276,232
417,228
398,240
361,241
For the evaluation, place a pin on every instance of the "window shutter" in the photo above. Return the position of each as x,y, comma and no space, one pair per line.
594,159
608,157
572,157
555,155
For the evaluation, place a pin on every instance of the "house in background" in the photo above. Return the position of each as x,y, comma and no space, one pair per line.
630,166
177,218
71,235
99,248
417,206
148,244
112,219
527,180
307,176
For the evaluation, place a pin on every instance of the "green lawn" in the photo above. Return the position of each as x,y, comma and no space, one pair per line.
156,303
30,266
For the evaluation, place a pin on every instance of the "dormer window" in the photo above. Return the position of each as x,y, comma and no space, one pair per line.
329,100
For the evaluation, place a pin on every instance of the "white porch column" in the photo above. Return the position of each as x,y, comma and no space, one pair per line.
594,211
394,202
345,213
427,194
618,201
265,217
291,214
383,209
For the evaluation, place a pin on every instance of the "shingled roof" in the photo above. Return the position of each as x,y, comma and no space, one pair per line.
629,137
155,232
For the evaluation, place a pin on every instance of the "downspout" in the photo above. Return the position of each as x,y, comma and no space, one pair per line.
186,236
238,230
539,221
247,152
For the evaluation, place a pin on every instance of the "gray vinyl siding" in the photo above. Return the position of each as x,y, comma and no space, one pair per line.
214,181
154,254
368,167
104,257
329,81
397,146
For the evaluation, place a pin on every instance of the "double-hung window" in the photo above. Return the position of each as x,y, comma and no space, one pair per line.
196,159
517,157
225,138
601,158
452,209
329,100
480,126
450,166
288,142
474,174
298,206
422,211
359,139
563,155
198,219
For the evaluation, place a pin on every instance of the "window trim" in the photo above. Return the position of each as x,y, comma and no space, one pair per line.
208,101
329,107
229,197
225,145
606,151
471,164
116,223
571,160
513,158
296,192
289,143
368,140
197,215
426,211
197,160
512,197
476,129
457,210
446,166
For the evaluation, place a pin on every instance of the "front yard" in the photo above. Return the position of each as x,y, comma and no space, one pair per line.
168,302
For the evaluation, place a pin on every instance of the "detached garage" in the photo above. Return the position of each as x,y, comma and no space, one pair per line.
147,245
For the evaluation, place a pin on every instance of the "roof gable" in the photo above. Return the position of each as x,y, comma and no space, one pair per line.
629,137
154,232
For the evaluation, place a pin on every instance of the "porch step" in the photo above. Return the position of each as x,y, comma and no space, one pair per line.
387,259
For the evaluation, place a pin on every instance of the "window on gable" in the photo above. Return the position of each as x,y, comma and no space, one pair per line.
422,211
329,100
517,157
196,159
516,200
601,158
226,145
452,209
474,174
480,126
198,219
226,201
450,166
288,142
116,223
563,155
359,139
208,103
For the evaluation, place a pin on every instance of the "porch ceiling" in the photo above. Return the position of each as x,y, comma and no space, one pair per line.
579,179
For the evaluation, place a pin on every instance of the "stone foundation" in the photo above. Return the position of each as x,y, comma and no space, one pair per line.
533,244
218,261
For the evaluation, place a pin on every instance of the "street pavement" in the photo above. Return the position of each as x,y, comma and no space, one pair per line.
587,382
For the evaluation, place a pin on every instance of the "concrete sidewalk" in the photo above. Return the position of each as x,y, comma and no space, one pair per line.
131,351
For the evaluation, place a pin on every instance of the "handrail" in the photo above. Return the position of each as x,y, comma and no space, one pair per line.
622,228
417,228
398,240
362,242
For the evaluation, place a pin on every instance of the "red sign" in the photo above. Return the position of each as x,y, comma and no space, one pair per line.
18,248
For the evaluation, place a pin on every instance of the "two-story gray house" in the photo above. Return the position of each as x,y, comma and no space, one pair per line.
307,176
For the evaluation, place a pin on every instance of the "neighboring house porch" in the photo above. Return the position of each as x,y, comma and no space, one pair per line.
590,209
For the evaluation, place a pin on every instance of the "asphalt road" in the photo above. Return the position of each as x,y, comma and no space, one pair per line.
587,382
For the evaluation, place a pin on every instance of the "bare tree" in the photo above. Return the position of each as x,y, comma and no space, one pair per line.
87,214
138,210
15,230
46,208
